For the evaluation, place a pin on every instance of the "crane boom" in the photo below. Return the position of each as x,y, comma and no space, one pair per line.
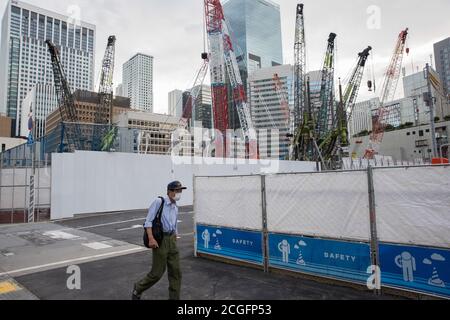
329,145
299,128
65,100
388,90
223,62
214,27
104,110
284,100
326,111
102,136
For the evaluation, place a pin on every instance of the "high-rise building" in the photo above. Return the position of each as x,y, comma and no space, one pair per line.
119,91
138,82
24,56
255,28
442,58
266,105
202,111
176,103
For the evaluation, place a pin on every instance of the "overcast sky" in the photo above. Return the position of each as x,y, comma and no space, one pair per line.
171,31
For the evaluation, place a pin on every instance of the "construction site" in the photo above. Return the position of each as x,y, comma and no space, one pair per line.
296,210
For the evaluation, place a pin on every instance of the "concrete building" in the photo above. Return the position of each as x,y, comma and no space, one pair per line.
39,103
137,82
154,130
25,56
10,143
266,108
410,144
176,103
410,109
442,58
86,102
415,86
255,28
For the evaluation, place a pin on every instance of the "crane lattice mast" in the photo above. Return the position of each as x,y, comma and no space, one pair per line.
66,104
223,62
326,112
299,76
388,90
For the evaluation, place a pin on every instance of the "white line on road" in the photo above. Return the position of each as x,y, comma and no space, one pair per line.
131,228
116,253
113,223
109,224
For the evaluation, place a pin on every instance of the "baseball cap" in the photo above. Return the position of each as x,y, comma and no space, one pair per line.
176,185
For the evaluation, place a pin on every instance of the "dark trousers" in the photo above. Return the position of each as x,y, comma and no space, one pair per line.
166,255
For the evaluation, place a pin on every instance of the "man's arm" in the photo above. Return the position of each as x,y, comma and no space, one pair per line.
148,222
152,213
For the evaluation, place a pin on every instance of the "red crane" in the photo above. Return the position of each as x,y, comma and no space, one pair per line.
387,94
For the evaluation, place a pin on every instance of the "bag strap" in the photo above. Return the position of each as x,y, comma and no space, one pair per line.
160,210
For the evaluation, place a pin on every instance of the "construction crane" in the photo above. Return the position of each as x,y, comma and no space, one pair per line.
299,80
194,92
338,137
326,111
282,96
388,90
223,62
103,114
69,118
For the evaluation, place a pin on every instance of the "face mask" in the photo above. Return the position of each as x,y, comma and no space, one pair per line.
177,197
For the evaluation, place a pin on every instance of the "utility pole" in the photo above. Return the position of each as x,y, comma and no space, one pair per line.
431,105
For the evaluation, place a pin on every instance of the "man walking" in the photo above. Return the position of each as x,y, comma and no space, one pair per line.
167,254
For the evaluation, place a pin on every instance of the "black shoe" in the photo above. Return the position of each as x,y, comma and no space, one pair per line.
135,295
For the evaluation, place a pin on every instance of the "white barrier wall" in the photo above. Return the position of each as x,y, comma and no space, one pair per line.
15,190
89,182
413,205
331,205
233,202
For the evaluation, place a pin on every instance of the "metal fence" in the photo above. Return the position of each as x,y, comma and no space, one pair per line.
387,226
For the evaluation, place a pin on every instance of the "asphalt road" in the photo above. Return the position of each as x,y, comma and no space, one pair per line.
113,278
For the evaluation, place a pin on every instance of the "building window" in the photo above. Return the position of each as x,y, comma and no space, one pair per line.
408,133
420,133
3,147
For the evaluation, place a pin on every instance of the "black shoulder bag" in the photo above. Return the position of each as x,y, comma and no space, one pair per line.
157,227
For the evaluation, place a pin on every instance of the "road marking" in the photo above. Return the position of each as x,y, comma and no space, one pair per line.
97,245
71,261
60,235
109,224
8,286
131,228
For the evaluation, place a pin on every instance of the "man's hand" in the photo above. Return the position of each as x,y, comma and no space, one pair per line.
153,243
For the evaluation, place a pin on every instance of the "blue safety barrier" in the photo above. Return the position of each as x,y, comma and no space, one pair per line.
330,258
230,243
415,268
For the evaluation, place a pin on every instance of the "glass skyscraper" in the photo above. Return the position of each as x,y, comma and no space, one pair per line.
255,27
24,58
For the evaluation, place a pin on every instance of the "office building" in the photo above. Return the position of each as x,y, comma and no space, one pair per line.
176,103
138,82
24,54
86,104
272,109
442,58
255,28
